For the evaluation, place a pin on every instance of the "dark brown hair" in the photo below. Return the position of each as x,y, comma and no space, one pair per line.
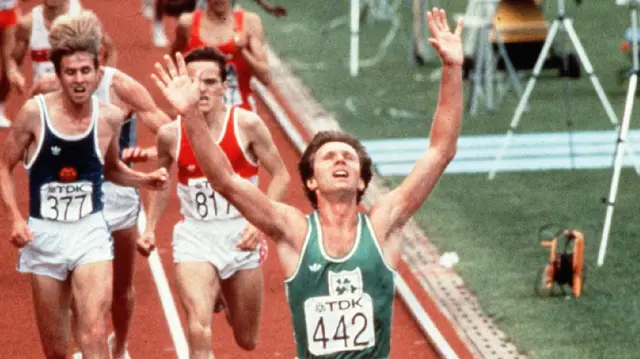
305,167
209,53
75,33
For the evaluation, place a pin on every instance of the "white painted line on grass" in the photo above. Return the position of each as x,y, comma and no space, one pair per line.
166,298
412,302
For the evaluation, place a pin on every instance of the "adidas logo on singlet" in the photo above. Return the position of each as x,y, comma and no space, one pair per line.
315,267
55,150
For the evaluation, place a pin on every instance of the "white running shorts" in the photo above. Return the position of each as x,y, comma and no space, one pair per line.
121,206
58,248
214,242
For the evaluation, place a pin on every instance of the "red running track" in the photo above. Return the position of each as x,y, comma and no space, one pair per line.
150,335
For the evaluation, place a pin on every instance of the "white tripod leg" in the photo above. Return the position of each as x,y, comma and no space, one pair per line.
522,105
626,119
584,59
617,169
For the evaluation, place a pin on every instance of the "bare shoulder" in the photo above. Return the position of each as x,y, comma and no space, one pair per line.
249,123
253,22
185,20
27,117
24,25
296,225
247,119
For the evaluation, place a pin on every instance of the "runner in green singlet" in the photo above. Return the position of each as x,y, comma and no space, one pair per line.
339,264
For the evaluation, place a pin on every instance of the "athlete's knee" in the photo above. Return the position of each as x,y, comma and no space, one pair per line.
93,335
199,332
246,339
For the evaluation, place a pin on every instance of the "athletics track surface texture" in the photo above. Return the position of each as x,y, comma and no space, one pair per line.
150,334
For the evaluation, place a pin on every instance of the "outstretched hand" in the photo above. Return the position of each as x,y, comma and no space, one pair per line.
177,87
447,43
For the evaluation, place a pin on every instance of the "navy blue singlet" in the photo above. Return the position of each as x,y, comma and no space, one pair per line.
65,172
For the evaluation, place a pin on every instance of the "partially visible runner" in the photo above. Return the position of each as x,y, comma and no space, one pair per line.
176,8
239,35
9,14
215,249
69,142
32,36
339,264
122,204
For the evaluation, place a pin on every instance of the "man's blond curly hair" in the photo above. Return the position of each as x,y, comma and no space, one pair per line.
71,33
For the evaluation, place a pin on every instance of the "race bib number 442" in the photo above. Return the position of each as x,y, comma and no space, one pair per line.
66,202
339,323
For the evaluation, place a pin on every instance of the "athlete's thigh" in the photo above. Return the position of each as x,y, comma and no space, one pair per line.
52,300
244,297
124,257
198,286
92,285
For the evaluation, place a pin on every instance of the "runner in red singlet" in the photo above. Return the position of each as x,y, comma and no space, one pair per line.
9,14
239,35
215,250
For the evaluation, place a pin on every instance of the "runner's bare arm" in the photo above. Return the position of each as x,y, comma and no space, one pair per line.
166,141
20,44
254,51
265,150
140,101
8,43
15,56
20,137
182,34
117,171
277,220
395,208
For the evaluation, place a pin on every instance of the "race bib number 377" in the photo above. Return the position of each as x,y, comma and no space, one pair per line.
339,323
66,202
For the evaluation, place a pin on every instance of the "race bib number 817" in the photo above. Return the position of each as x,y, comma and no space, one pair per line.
339,323
66,202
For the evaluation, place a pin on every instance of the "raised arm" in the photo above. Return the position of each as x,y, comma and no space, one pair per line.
265,150
254,52
276,220
395,209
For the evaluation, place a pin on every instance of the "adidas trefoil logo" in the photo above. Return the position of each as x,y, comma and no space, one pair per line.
315,267
191,168
55,150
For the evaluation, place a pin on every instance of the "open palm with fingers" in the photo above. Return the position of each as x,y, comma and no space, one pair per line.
447,43
176,85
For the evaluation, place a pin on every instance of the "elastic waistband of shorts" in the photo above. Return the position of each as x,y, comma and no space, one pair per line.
95,216
214,222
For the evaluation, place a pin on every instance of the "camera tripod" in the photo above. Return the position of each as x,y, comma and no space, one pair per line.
566,24
622,136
